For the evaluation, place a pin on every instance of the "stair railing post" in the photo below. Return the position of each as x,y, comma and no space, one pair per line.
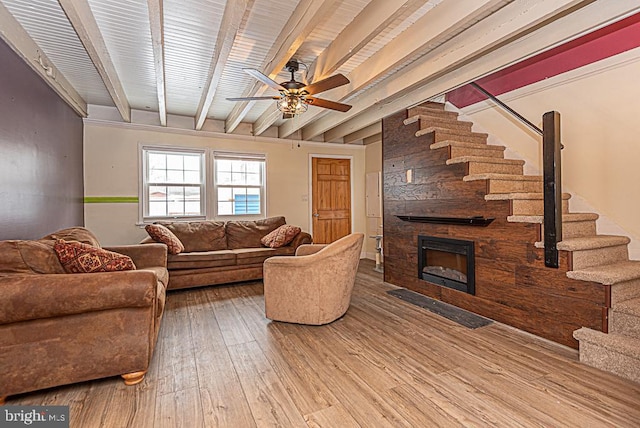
552,181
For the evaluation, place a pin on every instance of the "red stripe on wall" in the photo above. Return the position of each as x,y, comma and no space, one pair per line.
606,42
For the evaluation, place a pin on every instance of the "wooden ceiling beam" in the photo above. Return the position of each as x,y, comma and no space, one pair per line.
234,12
84,23
17,38
156,21
513,21
591,15
377,138
307,16
436,26
369,23
373,129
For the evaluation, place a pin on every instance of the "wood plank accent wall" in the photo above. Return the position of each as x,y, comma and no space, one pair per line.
512,284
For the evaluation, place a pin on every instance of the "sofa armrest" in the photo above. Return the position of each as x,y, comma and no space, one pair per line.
143,255
300,239
306,249
28,297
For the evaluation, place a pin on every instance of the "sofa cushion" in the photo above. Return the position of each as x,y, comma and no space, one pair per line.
249,256
161,234
77,257
201,259
199,235
247,234
78,233
281,236
30,257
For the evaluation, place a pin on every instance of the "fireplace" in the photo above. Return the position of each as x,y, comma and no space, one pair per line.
447,262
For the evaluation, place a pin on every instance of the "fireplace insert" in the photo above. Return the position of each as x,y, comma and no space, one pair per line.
447,262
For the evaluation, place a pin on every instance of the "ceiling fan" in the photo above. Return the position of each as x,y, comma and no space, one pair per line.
295,97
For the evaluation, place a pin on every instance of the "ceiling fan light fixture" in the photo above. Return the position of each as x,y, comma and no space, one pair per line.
292,104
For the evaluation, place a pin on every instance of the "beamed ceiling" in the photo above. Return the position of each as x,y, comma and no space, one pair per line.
182,58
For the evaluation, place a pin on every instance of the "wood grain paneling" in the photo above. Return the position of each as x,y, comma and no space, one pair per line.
512,284
41,172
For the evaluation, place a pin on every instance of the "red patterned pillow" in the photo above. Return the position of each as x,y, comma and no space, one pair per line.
77,257
281,236
161,234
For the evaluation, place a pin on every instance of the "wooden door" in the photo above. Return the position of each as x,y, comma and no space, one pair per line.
331,199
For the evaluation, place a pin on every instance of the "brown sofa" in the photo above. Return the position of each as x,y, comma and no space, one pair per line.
223,252
58,328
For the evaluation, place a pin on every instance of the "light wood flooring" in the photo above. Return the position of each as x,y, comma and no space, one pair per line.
219,362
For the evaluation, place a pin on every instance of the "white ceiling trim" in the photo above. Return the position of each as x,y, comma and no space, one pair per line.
156,22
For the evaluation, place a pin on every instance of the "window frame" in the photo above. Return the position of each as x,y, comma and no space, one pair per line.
144,150
262,157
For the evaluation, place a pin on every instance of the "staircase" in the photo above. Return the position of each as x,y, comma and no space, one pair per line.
597,258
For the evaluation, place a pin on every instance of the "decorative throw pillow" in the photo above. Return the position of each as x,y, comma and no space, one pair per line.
77,257
161,234
281,236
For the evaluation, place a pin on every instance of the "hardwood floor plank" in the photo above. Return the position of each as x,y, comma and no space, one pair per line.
220,363
268,399
223,400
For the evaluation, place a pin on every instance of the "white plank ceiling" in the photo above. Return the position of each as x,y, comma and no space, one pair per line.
185,57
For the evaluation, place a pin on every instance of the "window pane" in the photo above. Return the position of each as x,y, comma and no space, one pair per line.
236,197
157,209
225,208
157,175
175,176
175,162
192,177
157,161
192,162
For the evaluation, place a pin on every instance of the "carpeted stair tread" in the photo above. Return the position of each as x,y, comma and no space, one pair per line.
520,196
566,218
483,159
438,116
609,274
465,144
592,242
630,307
494,176
615,342
452,132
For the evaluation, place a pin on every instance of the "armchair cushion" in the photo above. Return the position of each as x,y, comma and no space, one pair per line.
199,235
161,234
77,257
28,257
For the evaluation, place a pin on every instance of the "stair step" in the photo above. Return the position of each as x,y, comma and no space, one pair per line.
625,290
610,274
481,165
443,133
443,123
509,183
624,318
459,149
527,203
435,115
428,105
613,353
597,250
574,225
593,242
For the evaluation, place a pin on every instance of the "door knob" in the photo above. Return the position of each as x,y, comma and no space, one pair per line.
316,215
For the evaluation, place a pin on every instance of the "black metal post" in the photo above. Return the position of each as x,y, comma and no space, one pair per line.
552,178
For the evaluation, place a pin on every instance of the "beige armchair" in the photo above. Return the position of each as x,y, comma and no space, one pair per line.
314,286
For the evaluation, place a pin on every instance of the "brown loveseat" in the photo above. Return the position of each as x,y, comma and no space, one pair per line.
58,328
217,252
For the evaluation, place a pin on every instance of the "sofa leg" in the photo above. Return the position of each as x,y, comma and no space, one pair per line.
133,378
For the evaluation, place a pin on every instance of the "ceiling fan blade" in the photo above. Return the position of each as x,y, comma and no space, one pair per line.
320,102
263,78
326,84
253,98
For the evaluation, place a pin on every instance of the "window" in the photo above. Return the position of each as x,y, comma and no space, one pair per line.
239,184
173,183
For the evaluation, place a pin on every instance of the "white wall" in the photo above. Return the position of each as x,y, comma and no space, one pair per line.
600,125
112,169
374,224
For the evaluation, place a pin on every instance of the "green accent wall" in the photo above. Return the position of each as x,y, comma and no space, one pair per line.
111,200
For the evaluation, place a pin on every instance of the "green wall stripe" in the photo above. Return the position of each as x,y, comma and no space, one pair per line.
111,200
